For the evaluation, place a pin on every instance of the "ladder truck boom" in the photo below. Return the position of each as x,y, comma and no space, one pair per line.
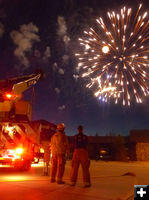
18,139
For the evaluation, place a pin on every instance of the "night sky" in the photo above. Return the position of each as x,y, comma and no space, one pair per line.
43,34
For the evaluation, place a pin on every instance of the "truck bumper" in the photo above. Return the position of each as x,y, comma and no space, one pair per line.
8,161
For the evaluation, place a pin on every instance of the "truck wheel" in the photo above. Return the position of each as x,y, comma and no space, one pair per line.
27,165
17,168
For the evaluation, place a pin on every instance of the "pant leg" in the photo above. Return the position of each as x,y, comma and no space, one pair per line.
60,167
74,167
46,168
46,161
53,167
85,163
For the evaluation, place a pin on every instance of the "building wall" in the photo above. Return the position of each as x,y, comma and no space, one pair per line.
142,151
137,145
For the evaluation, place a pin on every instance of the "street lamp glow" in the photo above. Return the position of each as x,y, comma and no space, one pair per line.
105,49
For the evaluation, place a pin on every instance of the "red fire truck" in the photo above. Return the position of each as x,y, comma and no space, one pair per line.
19,139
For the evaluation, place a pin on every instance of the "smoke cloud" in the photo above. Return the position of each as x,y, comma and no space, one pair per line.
62,28
47,54
57,90
65,59
55,66
66,39
24,39
61,107
75,76
61,71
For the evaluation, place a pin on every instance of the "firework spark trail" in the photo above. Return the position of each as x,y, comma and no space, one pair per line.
115,60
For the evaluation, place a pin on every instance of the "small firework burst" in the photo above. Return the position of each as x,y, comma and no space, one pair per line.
115,56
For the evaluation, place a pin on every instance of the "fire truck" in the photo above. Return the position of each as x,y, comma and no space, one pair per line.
20,139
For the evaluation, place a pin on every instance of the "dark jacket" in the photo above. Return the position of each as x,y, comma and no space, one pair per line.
80,141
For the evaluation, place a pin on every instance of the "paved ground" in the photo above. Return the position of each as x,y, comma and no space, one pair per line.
107,183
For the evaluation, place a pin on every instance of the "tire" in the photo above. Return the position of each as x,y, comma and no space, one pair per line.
27,165
24,166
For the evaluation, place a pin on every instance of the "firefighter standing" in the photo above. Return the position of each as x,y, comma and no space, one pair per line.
46,147
59,147
80,156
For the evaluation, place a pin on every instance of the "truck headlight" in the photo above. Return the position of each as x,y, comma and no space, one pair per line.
19,151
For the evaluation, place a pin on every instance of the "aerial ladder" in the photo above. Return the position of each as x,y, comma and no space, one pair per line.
18,138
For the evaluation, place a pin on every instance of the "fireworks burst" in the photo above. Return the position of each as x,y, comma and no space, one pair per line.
115,60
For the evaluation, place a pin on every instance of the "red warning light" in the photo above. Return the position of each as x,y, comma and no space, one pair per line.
9,96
